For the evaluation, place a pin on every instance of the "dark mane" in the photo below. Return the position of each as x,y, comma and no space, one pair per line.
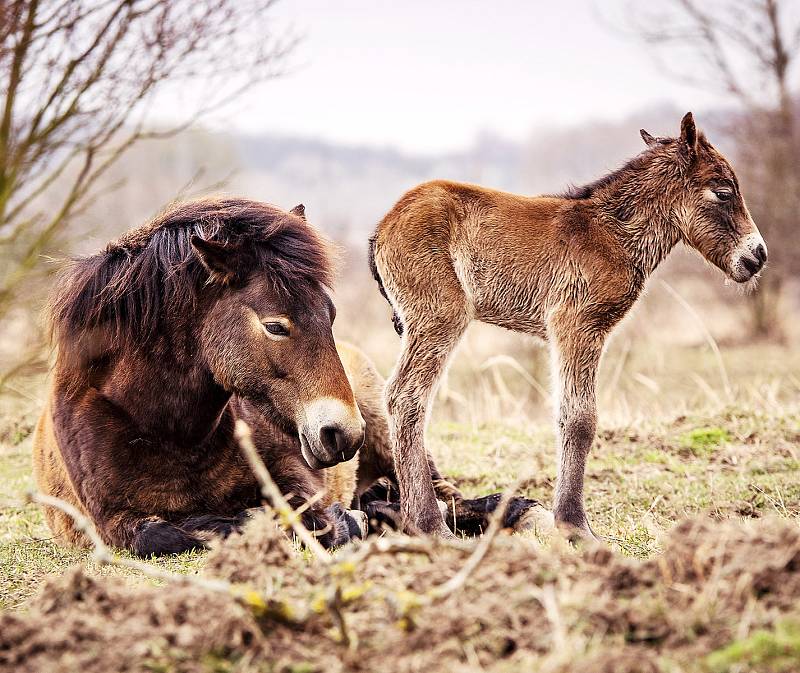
589,190
153,272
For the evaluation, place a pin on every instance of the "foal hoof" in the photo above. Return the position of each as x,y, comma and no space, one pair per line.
577,536
435,526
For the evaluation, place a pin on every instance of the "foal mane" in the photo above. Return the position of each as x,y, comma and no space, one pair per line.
587,191
152,272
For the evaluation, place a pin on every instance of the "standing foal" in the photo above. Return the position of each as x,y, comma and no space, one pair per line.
565,269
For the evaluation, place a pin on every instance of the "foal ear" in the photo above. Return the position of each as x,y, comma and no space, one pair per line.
648,139
217,258
299,210
689,133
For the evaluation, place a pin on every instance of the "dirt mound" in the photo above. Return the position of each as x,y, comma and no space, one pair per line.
258,554
91,624
524,608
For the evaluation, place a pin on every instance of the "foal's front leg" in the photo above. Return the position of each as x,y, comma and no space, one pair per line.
408,393
575,361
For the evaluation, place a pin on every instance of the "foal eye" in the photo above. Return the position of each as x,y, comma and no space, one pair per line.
276,329
723,194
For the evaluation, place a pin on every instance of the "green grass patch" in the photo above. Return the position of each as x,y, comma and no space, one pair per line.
703,441
763,651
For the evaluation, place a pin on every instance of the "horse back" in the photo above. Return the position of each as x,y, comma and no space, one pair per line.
508,259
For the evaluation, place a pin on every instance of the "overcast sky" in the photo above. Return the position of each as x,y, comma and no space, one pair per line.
429,76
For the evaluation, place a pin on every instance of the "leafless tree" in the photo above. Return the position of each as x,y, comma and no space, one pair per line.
84,80
749,49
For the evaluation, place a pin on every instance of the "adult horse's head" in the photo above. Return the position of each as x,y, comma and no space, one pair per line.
266,336
239,288
710,213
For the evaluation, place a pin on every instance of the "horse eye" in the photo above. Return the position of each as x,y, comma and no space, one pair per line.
276,328
723,194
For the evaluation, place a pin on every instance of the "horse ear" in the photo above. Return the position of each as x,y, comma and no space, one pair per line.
299,210
689,133
217,258
648,139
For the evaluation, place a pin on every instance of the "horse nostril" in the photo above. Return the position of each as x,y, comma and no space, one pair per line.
761,254
752,265
331,439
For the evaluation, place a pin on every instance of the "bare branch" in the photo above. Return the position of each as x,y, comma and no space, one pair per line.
270,490
104,556
457,581
82,81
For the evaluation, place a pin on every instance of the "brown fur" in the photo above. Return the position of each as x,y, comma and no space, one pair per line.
339,482
566,269
163,342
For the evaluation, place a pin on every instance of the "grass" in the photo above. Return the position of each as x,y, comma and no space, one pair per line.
27,553
776,651
641,479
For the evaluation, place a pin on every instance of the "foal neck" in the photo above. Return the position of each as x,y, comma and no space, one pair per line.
640,208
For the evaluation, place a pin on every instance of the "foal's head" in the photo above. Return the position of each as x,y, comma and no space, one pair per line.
705,202
266,336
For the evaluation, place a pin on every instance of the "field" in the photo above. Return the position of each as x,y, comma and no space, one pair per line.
712,435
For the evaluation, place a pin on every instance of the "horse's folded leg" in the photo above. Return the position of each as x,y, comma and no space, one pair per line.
347,524
155,537
472,516
382,515
525,514
206,525
446,491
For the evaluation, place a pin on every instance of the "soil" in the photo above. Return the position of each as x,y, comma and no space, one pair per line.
525,608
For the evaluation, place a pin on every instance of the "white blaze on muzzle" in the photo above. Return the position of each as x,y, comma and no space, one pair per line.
331,432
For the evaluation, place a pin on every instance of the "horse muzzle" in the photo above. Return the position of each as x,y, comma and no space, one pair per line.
749,258
332,432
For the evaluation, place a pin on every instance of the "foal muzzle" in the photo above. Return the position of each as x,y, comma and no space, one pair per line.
749,258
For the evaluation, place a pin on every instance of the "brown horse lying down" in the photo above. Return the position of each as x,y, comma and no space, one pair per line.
214,311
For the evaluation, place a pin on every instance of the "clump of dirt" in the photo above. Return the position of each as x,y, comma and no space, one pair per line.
261,552
525,607
93,625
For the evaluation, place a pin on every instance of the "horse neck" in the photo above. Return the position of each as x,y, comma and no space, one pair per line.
640,212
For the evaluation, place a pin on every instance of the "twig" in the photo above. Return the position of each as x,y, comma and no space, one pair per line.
270,490
459,579
389,545
104,556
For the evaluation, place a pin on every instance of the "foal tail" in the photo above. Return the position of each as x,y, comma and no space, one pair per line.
398,325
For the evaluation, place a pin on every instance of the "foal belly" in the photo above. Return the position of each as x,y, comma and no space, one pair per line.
507,298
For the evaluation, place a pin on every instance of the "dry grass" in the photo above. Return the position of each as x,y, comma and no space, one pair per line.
693,424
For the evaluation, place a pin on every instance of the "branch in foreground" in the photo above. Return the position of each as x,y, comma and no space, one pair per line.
270,490
255,601
104,556
458,580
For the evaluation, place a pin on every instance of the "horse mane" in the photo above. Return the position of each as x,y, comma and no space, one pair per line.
587,191
153,272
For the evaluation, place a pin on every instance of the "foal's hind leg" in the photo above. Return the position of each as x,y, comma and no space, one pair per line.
427,345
